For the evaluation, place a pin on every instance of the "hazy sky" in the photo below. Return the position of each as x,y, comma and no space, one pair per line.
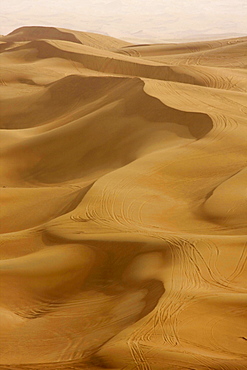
149,20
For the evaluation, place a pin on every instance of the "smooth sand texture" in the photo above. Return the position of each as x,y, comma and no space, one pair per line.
123,203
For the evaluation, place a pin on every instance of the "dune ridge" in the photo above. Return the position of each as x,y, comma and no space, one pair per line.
123,216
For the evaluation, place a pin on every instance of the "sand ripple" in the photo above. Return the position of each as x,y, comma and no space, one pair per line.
124,206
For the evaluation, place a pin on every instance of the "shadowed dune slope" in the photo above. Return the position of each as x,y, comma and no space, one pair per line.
123,222
52,33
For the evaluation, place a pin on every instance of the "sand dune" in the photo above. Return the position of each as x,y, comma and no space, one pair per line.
123,203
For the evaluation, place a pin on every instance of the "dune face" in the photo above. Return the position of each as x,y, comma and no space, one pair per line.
124,205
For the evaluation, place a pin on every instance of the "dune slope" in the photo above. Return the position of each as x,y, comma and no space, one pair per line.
123,222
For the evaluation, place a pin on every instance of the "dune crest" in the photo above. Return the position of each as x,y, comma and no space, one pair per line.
123,190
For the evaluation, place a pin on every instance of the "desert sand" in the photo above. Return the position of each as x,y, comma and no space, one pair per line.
123,203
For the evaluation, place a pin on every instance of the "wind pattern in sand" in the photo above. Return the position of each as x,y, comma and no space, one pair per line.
124,203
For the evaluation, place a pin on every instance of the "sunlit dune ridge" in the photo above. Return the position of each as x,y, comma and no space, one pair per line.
123,203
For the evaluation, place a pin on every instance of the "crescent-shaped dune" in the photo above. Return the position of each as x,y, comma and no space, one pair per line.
123,216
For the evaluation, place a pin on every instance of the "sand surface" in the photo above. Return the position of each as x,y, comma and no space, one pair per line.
123,203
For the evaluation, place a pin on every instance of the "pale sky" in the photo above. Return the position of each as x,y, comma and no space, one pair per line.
150,20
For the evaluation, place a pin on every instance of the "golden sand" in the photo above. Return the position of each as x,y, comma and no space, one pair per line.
123,203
